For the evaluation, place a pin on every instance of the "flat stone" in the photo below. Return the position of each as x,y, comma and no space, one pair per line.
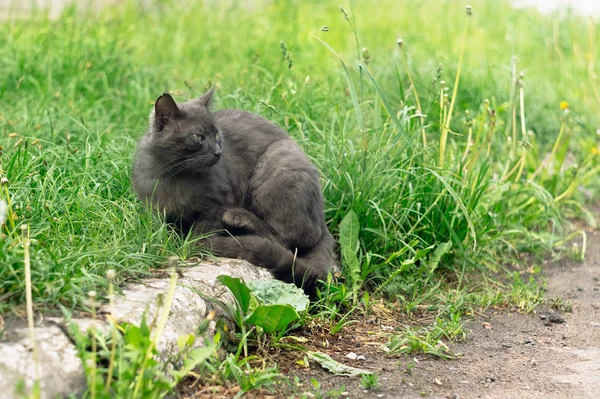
189,308
61,371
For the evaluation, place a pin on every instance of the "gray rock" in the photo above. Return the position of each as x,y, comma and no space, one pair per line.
189,309
61,371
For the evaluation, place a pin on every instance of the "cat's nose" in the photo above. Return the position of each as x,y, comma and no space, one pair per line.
217,152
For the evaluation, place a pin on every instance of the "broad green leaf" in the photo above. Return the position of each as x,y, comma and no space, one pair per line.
351,262
238,288
441,250
273,318
185,340
337,368
192,360
422,252
197,356
276,292
133,336
349,231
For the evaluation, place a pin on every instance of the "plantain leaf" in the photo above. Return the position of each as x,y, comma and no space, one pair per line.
185,340
441,250
351,263
238,288
337,368
273,318
276,292
349,232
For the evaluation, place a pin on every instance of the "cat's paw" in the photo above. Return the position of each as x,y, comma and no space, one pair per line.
239,218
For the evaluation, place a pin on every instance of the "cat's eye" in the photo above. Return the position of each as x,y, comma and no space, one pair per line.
197,136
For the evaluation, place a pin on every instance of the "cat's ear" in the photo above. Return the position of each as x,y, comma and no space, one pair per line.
207,98
165,109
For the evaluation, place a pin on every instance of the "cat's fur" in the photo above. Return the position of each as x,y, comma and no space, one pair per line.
239,175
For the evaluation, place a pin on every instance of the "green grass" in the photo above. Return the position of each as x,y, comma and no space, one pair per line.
76,92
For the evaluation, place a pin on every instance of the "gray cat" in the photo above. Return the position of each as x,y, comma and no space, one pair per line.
236,174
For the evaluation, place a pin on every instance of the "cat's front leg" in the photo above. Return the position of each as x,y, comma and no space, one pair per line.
241,221
208,226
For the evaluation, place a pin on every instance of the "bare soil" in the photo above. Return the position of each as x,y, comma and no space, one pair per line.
544,354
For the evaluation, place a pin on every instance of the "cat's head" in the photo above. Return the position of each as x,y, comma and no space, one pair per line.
184,136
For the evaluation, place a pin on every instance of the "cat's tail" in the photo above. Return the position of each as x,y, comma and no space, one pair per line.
305,271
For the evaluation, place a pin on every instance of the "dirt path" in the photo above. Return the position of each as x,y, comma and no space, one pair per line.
506,355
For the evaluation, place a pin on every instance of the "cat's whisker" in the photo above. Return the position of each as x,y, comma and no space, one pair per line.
177,167
169,166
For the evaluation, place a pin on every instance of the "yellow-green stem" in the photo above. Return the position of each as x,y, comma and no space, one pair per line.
113,322
410,79
442,105
521,164
513,149
523,129
512,110
446,126
162,322
544,165
491,126
568,192
509,173
522,106
28,297
444,135
416,94
469,137
11,214
92,296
